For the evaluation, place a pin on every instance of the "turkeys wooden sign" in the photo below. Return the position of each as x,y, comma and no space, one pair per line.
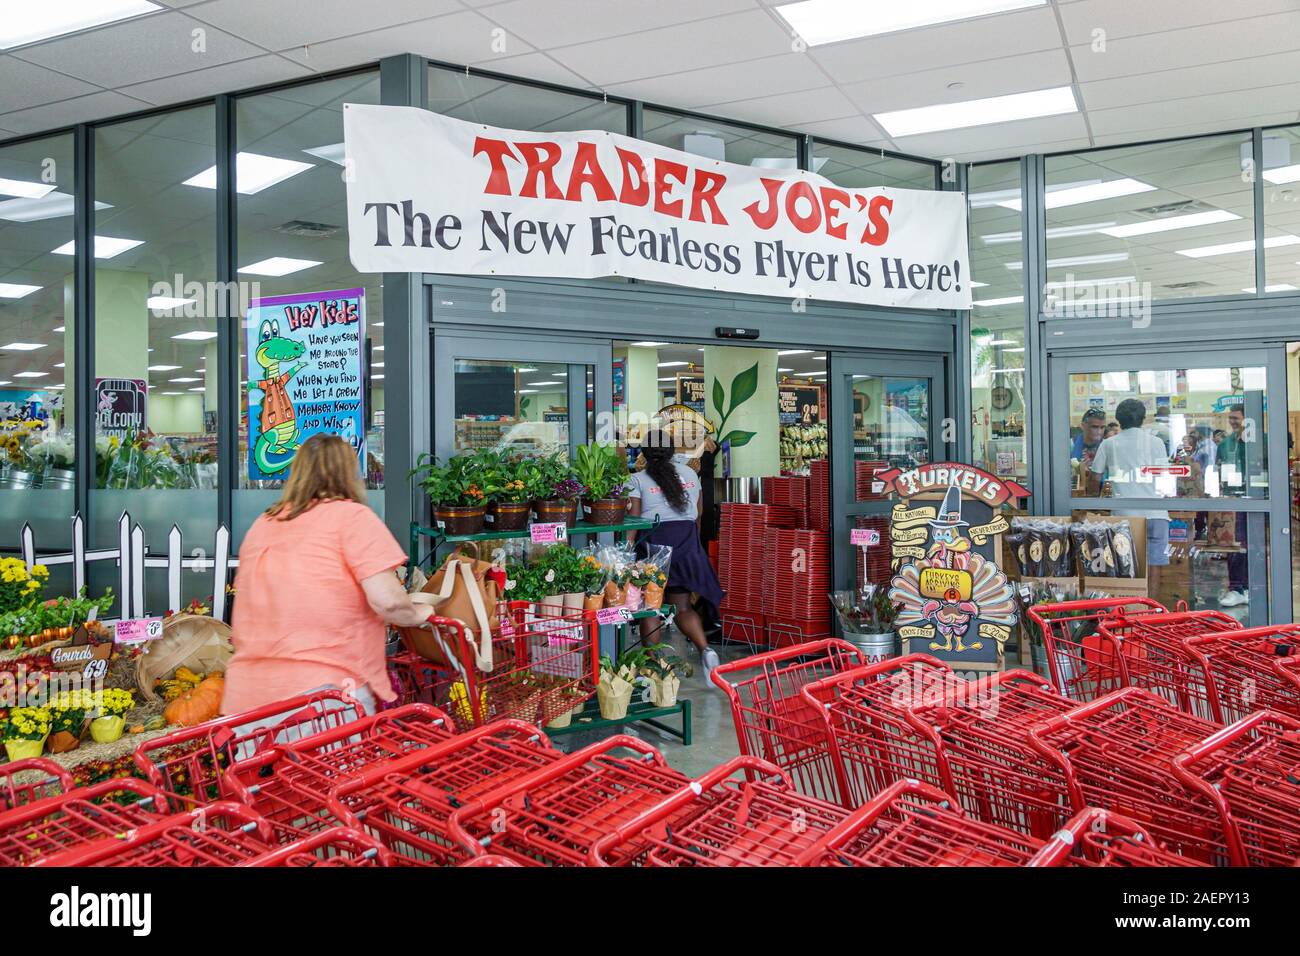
953,600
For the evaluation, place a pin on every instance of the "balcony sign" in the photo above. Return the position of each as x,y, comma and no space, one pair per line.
428,193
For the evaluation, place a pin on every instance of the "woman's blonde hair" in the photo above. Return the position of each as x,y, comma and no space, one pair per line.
324,469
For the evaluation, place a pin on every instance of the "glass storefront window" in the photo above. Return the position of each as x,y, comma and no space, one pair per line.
1281,176
891,426
867,169
721,141
511,407
1203,433
999,409
292,219
495,102
1159,221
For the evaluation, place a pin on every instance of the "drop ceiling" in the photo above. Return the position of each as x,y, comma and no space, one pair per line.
1139,70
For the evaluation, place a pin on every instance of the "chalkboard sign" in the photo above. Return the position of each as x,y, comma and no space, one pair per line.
799,404
690,390
485,390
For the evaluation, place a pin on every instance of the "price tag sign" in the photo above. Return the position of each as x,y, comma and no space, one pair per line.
613,615
138,630
863,537
548,532
877,487
94,670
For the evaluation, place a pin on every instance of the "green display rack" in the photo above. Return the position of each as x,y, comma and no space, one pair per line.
589,717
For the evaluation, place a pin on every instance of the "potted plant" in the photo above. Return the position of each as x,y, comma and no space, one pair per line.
112,706
68,719
591,574
25,730
658,669
512,483
617,680
602,470
652,580
558,491
20,588
456,491
867,620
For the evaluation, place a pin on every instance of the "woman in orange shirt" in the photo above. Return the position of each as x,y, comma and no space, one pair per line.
316,589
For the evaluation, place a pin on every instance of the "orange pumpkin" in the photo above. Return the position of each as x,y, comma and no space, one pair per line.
197,705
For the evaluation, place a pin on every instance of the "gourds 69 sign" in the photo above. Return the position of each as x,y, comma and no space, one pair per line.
428,193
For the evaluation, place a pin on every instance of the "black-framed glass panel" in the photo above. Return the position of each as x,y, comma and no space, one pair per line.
497,102
1280,173
721,141
1159,221
868,169
292,240
999,393
38,416
156,392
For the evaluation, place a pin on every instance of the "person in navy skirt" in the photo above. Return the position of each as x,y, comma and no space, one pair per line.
669,490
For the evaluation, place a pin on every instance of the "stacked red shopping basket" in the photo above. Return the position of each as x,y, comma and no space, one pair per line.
797,580
742,544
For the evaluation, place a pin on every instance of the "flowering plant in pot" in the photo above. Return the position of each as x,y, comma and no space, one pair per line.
562,572
455,490
592,575
651,579
111,707
68,719
512,483
602,470
558,491
24,731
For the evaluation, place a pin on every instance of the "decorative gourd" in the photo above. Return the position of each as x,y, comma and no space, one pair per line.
197,705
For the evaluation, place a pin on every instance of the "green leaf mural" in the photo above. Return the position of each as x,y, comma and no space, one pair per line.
743,387
738,437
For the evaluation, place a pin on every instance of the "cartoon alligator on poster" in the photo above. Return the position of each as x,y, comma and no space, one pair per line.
279,425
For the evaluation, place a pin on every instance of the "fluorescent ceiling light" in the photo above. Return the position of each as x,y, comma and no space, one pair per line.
22,346
530,383
1009,300
821,358
376,348
20,187
1283,174
1056,232
59,329
1008,371
978,285
106,247
649,345
1065,262
1002,342
30,374
376,378
1071,283
780,162
60,365
794,352
278,266
253,173
1131,229
829,21
1021,349
1246,245
1280,287
381,365
200,388
53,206
522,391
198,335
670,364
670,378
1072,195
983,112
5,382
163,368
164,303
184,380
33,22
56,387
16,290
333,153
785,370
173,393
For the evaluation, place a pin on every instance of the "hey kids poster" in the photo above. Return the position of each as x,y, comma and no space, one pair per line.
304,375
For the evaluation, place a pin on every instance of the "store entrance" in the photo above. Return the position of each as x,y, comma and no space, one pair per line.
888,412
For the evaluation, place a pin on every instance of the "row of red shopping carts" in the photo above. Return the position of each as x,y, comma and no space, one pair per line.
1203,662
1011,752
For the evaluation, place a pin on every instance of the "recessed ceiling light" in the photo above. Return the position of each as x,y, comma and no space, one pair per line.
670,378
794,352
201,388
1128,230
671,364
198,335
1064,262
649,345
163,368
56,387
60,365
819,358
376,348
829,21
33,22
52,206
381,365
377,325
106,247
1002,342
993,109
785,370
1021,349
1280,287
1283,174
1072,283
20,187
11,290
545,383
22,346
183,380
528,391
1073,195
1009,300
1246,245
30,374
333,153
278,266
1056,232
253,173
173,393
58,329
164,303
376,378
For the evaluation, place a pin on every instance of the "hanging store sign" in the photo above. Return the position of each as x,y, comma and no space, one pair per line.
428,193
974,482
120,407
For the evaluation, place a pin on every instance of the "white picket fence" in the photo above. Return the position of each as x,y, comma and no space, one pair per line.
134,562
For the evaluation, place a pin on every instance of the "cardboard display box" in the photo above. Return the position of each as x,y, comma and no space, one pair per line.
1115,586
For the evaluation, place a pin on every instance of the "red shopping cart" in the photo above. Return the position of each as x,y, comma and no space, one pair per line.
718,820
220,834
290,784
1099,838
1251,670
189,761
51,826
911,823
551,816
773,720
1250,771
545,662
1116,754
31,779
489,859
337,846
406,804
1085,663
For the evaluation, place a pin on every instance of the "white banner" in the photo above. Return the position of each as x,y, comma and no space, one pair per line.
427,193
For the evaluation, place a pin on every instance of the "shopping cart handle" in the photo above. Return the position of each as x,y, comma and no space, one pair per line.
1235,732
812,649
1063,842
867,814
1096,706
673,802
364,844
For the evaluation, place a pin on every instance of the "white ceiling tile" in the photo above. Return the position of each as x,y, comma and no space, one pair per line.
1122,18
159,45
94,106
1013,74
691,46
559,23
789,109
25,84
227,78
931,48
770,76
1013,138
1200,80
289,23
456,38
1208,112
1000,153
852,129
538,66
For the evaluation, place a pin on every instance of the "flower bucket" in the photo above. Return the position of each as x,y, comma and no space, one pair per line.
508,515
613,704
461,519
107,729
574,601
19,749
633,601
652,596
552,605
606,511
556,511
61,741
593,602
